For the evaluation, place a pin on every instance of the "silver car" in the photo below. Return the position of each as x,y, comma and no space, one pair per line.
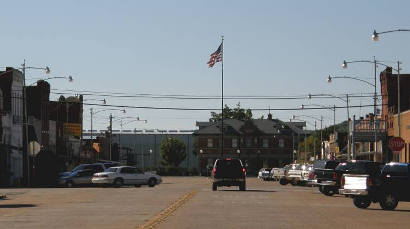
77,178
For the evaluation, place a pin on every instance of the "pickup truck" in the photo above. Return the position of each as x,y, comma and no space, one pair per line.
293,174
264,174
228,172
324,174
277,173
388,188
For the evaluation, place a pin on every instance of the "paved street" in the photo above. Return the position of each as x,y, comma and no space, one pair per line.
188,202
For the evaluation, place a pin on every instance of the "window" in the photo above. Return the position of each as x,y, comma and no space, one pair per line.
281,143
210,143
112,170
265,143
248,142
234,142
128,170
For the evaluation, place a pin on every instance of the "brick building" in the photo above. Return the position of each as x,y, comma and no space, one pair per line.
258,142
389,89
11,127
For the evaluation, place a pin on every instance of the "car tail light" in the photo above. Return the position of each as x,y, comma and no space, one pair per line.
243,170
334,176
369,182
311,175
342,181
214,171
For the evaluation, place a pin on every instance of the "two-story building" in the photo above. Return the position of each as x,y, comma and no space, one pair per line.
11,127
398,123
258,142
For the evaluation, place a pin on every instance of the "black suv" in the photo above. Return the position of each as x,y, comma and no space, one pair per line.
229,172
392,186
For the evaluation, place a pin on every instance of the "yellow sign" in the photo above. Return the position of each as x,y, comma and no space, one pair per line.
73,129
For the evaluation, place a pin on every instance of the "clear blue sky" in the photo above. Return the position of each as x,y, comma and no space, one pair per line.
161,47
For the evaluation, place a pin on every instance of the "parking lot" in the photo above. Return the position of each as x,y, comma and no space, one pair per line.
188,202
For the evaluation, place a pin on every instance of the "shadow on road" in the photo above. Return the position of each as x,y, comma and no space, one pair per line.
17,205
248,190
379,209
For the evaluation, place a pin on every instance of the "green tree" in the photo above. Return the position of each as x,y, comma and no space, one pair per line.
172,151
235,113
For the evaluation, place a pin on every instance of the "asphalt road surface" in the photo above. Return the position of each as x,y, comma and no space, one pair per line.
189,202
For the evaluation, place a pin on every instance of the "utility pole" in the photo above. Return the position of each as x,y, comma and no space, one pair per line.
110,137
91,113
348,128
26,122
321,140
314,143
375,104
398,98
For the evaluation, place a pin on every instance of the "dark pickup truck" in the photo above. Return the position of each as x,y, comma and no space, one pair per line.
229,172
391,186
324,174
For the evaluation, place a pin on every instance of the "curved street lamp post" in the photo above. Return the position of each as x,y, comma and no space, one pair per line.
375,62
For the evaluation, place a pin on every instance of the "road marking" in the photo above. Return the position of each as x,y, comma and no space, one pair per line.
164,214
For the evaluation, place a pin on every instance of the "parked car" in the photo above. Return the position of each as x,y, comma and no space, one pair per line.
77,178
293,174
351,167
126,175
306,176
228,172
264,174
324,174
283,180
97,167
81,175
277,173
391,186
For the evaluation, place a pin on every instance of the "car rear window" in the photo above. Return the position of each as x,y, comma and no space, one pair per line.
229,163
113,170
358,167
396,169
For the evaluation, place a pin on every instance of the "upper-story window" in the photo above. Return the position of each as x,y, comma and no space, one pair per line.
210,143
234,142
265,143
281,143
248,142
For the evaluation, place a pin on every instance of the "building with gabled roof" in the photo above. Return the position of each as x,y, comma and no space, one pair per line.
258,142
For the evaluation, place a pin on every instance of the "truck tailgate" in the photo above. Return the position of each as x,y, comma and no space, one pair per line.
355,182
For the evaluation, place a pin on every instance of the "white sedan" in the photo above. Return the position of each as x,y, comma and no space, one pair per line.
125,175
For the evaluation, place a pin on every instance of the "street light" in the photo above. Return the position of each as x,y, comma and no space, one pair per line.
375,62
303,106
321,127
304,131
375,35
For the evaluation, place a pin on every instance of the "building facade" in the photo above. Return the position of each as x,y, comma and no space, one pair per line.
141,148
11,127
390,112
258,142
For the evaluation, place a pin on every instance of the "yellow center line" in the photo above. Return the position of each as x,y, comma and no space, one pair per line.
164,214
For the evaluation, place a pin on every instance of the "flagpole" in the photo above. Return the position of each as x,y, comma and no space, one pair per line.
222,107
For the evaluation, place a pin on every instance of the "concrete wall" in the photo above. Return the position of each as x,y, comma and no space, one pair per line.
140,144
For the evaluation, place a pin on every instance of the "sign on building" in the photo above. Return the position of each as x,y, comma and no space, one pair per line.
73,129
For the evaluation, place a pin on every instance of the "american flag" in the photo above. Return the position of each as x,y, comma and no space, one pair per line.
215,57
